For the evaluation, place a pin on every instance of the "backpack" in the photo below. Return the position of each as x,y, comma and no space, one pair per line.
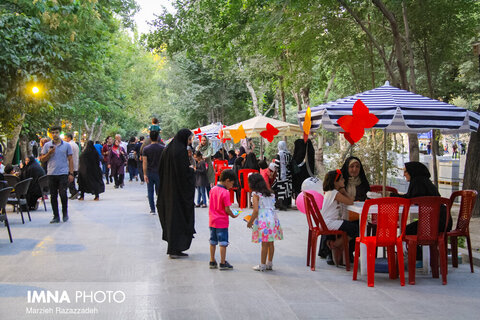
131,155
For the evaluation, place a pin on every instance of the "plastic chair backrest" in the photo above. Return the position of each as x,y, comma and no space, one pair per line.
467,202
243,174
43,183
4,193
388,215
21,188
379,188
11,179
219,163
313,213
3,184
429,216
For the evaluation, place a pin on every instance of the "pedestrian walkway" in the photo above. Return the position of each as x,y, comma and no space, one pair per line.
114,247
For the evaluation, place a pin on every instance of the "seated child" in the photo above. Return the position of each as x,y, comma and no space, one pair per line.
155,126
335,193
218,218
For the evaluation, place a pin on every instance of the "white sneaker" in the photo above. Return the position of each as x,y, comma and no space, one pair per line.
153,213
269,266
260,267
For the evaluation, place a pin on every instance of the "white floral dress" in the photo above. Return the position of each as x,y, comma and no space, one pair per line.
266,228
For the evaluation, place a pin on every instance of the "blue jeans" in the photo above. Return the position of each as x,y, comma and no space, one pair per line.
201,195
219,236
153,182
132,171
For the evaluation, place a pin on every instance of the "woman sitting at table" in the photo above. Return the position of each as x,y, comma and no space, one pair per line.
356,186
356,183
420,186
335,194
32,169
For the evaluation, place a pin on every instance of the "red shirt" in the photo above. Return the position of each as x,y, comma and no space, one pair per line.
219,199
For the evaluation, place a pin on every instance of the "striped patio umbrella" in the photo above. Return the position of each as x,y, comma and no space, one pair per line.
398,111
211,130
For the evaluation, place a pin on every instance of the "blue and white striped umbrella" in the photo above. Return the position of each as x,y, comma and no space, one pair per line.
398,111
211,130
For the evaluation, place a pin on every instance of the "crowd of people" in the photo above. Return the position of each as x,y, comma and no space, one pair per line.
179,170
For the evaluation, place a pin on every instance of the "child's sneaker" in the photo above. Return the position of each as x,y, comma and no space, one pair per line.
213,265
260,267
226,266
269,266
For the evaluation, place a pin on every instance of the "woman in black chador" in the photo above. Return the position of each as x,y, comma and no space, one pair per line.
175,202
417,174
32,170
303,154
90,177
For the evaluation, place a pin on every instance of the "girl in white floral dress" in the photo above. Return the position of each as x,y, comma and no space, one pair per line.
264,220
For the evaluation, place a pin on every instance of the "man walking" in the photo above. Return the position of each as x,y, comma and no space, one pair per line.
75,157
58,155
138,148
151,161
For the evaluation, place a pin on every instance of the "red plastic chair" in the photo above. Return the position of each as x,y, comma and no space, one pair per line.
372,225
316,228
386,236
219,163
379,188
218,172
467,203
427,234
245,189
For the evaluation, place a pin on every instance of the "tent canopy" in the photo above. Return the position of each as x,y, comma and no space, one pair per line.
255,125
398,111
211,130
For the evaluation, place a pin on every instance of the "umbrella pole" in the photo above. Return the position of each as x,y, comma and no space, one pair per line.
261,148
384,162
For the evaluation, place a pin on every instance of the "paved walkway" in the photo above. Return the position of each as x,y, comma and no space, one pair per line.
115,246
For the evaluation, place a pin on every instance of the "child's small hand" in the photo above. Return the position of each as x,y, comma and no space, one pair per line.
250,224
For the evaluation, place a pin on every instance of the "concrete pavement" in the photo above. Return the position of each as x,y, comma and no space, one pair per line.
109,262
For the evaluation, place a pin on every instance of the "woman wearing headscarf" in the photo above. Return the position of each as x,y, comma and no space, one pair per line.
356,183
90,179
32,169
421,186
175,202
283,184
356,186
116,163
207,152
251,162
304,155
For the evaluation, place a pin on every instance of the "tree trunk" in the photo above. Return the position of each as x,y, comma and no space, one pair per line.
411,60
12,142
99,131
413,150
434,150
471,176
305,93
254,98
282,100
380,50
330,85
397,41
23,144
297,100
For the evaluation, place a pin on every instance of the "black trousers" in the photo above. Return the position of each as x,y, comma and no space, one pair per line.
118,179
58,186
